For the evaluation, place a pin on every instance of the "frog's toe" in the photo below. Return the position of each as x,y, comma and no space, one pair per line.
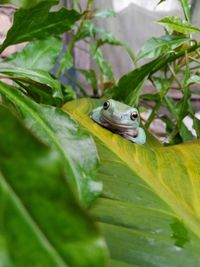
139,139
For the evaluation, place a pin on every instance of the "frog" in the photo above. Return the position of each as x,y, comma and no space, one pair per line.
121,119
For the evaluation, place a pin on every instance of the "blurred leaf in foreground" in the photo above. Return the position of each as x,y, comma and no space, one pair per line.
59,131
41,223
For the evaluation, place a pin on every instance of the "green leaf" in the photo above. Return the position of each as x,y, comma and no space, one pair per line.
56,129
101,36
23,3
39,214
196,126
160,2
38,23
103,65
185,133
91,78
130,85
37,55
179,25
157,46
127,84
105,13
193,79
149,209
88,29
66,61
186,9
39,78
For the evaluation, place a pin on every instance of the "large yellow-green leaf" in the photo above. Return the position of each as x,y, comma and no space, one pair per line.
150,207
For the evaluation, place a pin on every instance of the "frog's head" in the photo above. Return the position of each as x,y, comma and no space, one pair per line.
119,115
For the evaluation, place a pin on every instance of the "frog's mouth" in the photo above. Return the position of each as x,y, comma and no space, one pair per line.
117,126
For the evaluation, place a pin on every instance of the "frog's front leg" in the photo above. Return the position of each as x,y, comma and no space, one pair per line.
141,137
137,136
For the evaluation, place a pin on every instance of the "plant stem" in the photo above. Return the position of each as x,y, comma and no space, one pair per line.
175,77
152,115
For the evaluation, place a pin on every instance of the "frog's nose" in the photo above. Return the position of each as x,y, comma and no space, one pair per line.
116,116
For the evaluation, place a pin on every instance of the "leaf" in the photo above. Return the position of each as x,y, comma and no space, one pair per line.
160,2
38,23
91,78
22,3
131,83
193,79
38,78
57,130
103,65
127,83
186,9
37,55
179,25
39,214
185,133
105,13
149,209
157,46
196,126
66,61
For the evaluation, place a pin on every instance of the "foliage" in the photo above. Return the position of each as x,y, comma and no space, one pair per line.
39,214
149,208
51,169
175,64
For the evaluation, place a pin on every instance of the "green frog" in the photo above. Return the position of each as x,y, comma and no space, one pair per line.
121,119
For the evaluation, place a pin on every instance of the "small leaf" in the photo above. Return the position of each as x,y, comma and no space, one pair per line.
185,133
66,61
91,78
38,23
156,47
39,214
105,13
103,65
68,93
193,79
179,25
37,55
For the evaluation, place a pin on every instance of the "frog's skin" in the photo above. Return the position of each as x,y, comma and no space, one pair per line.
121,119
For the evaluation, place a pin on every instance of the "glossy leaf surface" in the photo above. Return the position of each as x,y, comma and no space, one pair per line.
38,23
39,78
37,55
149,210
179,25
155,47
39,214
55,128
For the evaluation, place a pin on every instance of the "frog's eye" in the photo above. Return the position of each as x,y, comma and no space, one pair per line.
106,105
133,116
